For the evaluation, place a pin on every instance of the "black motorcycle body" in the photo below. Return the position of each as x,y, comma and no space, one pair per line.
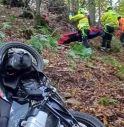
29,100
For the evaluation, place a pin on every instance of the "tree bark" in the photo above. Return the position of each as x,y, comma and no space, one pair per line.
92,11
38,20
99,12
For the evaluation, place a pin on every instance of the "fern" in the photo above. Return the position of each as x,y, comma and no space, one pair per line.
106,101
39,42
2,35
6,25
79,51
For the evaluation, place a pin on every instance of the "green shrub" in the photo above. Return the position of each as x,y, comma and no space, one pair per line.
116,45
79,51
111,60
115,63
2,36
6,25
106,101
12,18
39,42
120,72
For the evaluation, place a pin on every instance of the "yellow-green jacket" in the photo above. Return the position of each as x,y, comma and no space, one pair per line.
110,18
81,19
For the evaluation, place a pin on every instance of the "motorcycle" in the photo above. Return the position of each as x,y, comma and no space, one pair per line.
27,96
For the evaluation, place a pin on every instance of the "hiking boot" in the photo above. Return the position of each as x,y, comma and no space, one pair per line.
108,49
103,48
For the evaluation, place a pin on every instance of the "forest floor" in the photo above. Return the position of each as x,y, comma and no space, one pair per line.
94,86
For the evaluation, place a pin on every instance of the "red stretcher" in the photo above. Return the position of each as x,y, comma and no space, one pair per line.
76,36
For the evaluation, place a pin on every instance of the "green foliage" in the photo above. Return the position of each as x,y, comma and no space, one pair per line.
46,30
2,35
39,42
42,39
120,8
106,101
2,2
6,25
115,63
1,43
112,61
12,18
120,73
116,45
43,30
79,51
39,21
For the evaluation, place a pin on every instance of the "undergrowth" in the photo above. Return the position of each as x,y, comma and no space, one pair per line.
106,101
115,63
39,42
79,51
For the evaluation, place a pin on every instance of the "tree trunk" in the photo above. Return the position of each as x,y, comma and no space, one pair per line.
92,11
99,12
38,20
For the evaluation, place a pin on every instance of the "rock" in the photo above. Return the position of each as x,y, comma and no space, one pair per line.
3,16
73,101
66,95
122,85
46,62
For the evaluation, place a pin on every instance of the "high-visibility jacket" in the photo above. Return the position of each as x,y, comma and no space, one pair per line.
121,24
82,21
110,18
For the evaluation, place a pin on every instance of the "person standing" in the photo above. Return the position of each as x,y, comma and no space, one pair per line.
109,22
81,18
121,23
121,29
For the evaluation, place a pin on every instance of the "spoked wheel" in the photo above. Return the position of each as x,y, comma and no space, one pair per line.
86,120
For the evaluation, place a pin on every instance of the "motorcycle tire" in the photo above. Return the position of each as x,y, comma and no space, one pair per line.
87,120
31,50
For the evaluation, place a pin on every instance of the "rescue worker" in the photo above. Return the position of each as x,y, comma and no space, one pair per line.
121,29
121,23
83,25
110,23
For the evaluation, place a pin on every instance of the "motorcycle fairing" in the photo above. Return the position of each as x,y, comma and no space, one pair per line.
11,81
4,112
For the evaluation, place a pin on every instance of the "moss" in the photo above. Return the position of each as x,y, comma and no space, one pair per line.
115,63
106,101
